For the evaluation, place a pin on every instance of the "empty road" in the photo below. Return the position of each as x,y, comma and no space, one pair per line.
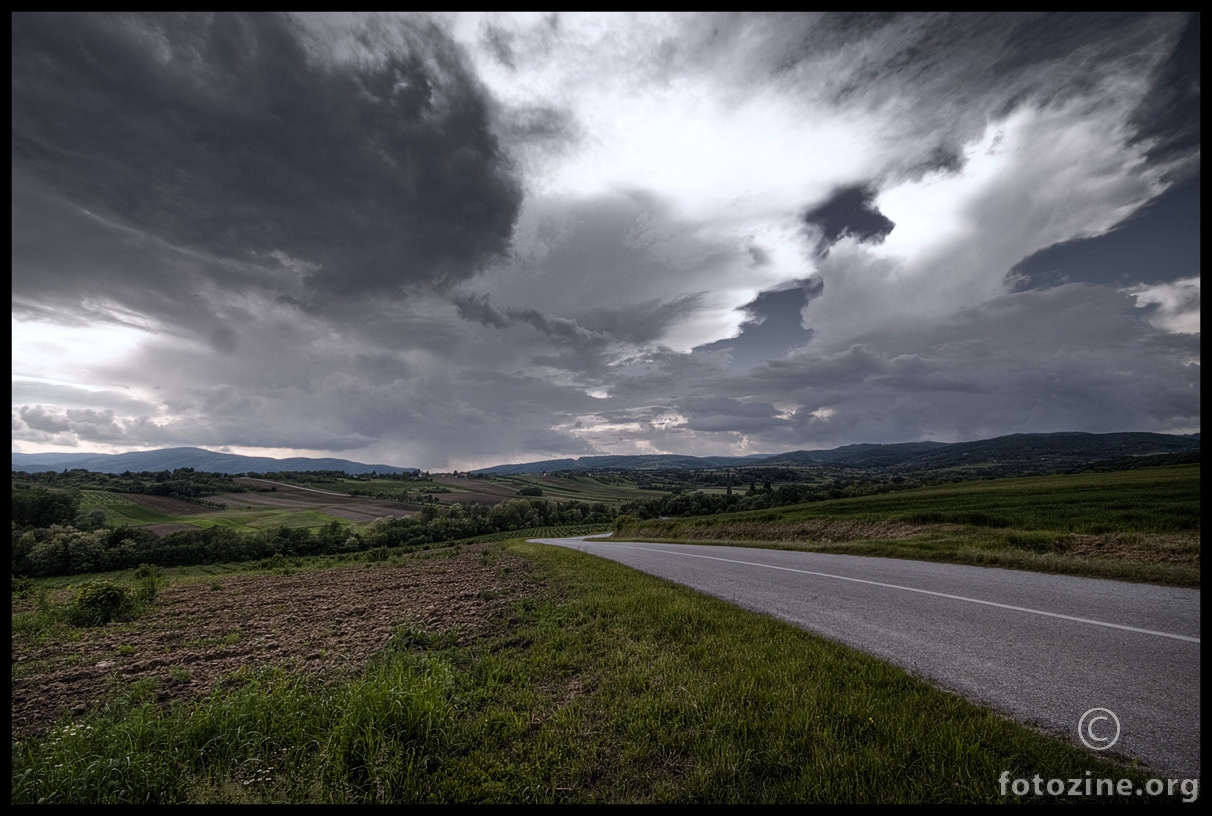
1042,649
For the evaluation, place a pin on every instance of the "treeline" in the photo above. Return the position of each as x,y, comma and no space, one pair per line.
62,548
761,497
335,479
50,537
43,508
183,483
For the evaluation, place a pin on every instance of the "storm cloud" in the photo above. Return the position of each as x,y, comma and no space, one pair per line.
456,240
240,135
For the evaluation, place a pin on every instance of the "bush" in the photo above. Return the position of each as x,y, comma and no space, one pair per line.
148,580
531,491
99,602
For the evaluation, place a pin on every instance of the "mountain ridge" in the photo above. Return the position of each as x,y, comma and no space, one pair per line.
197,458
1059,447
1054,449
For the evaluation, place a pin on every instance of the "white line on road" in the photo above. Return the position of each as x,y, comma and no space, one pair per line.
923,592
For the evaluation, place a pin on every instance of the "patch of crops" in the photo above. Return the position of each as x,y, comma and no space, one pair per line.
118,508
557,531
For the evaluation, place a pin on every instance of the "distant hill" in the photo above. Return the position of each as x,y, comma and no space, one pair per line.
196,458
1049,451
667,461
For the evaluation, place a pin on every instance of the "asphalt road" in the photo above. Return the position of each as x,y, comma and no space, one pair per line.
1042,649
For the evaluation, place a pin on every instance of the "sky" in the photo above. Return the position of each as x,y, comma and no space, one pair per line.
455,241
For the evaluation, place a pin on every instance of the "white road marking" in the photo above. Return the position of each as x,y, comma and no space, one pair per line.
923,592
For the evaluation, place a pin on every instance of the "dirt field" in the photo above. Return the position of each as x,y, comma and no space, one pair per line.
164,504
318,621
351,508
367,512
164,529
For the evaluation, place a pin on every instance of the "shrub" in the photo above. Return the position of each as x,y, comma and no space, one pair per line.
148,580
99,602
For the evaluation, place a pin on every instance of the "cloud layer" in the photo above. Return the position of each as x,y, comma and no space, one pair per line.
454,241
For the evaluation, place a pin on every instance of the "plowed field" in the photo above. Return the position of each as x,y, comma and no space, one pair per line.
323,621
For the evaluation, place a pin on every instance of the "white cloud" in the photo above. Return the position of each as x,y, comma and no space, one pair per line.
1177,304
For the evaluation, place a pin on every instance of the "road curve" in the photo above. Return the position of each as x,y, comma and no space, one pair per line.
1043,649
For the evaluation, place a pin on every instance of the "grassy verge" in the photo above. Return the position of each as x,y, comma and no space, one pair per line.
1140,525
978,548
610,687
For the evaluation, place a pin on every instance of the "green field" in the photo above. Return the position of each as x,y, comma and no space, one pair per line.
122,511
1136,525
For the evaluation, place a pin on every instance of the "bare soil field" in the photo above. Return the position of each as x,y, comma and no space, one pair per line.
164,504
368,512
352,508
172,527
282,495
322,621
478,498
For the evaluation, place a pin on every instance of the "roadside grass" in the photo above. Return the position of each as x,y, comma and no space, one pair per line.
612,686
1141,525
1148,500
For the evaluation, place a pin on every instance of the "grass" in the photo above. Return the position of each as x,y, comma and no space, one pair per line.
120,510
611,687
1140,525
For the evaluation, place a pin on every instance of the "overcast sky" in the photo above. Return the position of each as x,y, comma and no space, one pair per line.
451,242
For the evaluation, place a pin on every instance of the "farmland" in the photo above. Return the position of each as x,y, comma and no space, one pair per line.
501,671
268,504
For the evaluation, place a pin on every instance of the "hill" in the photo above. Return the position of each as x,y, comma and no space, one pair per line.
1048,452
196,458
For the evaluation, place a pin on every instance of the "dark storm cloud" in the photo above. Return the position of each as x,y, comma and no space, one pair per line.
945,76
774,328
202,185
1160,242
715,414
642,323
477,308
1170,113
1074,357
849,211
236,134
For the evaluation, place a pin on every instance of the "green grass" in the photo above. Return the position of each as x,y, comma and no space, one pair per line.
611,686
121,510
1149,500
1140,525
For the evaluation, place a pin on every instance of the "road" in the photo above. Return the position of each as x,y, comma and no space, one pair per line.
298,487
1042,649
